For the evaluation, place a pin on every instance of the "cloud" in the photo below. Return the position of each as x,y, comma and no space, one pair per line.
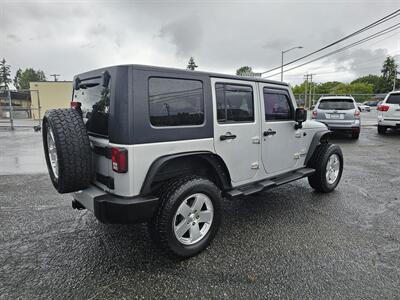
13,38
360,62
186,34
278,43
69,37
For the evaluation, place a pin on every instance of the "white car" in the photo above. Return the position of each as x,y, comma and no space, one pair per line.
364,107
389,112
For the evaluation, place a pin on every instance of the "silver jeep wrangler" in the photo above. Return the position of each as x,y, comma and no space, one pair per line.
164,146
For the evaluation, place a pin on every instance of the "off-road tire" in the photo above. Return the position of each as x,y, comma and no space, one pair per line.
172,194
74,156
382,129
318,161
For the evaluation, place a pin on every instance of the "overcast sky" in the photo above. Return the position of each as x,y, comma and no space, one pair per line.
69,37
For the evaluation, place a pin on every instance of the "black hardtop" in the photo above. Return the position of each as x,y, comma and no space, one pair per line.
176,71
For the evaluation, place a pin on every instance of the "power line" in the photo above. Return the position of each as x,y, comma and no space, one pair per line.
364,40
366,62
376,23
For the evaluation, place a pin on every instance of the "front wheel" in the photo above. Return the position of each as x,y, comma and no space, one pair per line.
327,161
188,217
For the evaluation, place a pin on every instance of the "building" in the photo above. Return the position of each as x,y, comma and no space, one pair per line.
48,95
21,102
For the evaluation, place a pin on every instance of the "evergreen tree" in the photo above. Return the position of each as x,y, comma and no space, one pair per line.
22,78
5,72
389,73
244,71
191,64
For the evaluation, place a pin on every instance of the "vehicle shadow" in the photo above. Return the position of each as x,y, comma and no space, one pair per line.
131,246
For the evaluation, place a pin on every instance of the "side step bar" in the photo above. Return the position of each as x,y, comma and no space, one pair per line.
259,186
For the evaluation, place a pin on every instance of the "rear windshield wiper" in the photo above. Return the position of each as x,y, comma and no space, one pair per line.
88,85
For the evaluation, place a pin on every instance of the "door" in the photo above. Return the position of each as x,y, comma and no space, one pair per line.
281,142
236,129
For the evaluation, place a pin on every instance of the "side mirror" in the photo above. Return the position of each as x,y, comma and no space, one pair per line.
301,116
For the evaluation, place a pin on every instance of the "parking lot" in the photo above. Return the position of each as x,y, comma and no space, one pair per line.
288,242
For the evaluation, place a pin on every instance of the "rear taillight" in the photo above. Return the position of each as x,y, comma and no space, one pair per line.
119,159
383,107
76,105
314,114
357,114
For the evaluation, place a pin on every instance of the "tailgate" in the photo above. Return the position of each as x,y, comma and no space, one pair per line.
393,113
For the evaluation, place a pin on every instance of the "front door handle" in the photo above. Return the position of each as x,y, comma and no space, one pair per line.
269,132
227,136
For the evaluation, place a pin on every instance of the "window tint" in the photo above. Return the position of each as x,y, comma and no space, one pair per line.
277,106
176,102
234,103
393,99
95,104
337,104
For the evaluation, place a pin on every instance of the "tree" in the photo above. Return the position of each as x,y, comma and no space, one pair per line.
389,68
375,80
191,64
389,73
244,71
5,73
22,78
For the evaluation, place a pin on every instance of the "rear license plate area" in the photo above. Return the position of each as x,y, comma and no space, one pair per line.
335,116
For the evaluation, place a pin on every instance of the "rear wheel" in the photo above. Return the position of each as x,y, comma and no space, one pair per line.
67,150
355,136
327,161
382,129
188,217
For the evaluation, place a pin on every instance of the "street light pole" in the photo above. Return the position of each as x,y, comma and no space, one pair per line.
283,52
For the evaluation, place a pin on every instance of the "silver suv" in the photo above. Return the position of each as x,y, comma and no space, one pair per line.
339,113
164,146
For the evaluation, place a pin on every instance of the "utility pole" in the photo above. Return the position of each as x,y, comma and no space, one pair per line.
311,90
55,76
11,110
307,89
313,100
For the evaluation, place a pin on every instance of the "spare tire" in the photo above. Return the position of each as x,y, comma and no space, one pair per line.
67,150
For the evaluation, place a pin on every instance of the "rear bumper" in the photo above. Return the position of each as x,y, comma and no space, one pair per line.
112,209
353,127
345,129
389,123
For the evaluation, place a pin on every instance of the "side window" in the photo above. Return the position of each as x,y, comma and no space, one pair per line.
234,103
277,106
175,102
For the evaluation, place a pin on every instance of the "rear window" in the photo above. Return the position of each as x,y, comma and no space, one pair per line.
176,102
95,104
393,99
337,104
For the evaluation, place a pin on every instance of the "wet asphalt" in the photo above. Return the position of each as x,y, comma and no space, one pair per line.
288,242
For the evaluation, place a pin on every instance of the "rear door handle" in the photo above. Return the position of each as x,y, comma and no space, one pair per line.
227,136
269,132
